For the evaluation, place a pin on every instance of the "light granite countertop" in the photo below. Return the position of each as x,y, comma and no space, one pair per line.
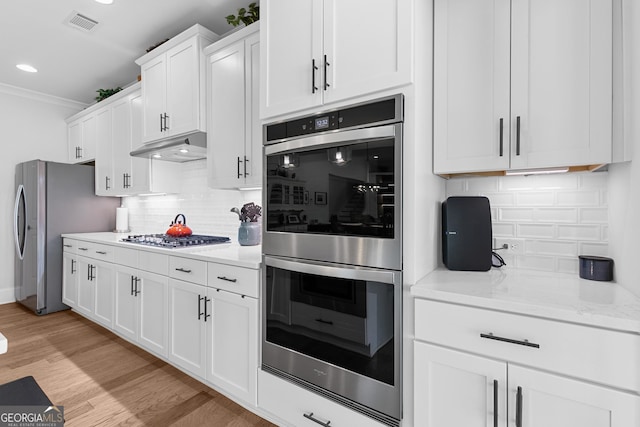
225,253
557,296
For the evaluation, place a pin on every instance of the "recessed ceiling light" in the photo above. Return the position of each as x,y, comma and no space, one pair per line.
184,150
156,156
26,67
105,1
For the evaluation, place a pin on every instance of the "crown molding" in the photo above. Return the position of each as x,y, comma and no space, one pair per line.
42,97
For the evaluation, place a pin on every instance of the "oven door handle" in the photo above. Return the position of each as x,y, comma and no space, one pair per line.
326,269
334,139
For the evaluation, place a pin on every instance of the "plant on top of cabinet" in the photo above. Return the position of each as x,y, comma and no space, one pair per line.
105,93
173,101
332,51
243,17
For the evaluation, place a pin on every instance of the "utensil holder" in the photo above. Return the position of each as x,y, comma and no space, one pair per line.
249,233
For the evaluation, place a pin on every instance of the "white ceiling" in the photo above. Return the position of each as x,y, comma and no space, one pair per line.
73,64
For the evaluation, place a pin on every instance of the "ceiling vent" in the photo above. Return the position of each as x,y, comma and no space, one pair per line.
81,22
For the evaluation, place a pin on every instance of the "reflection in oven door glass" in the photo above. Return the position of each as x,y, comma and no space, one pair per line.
345,322
353,186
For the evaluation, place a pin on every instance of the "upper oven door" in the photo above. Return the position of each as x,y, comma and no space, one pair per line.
336,197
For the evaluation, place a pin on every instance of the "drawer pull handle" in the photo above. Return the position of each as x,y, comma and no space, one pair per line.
315,420
326,322
519,407
84,249
183,270
101,252
68,246
227,279
526,343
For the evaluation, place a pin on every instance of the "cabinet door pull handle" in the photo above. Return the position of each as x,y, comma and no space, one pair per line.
106,183
166,121
495,403
73,264
206,315
88,271
326,64
137,280
239,162
313,76
226,279
101,252
518,136
519,407
161,127
200,313
131,285
526,343
501,136
326,322
245,166
315,420
184,270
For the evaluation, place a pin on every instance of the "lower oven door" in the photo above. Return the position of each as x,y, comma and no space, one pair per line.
335,329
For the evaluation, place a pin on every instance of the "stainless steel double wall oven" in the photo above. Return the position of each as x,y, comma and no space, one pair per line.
332,244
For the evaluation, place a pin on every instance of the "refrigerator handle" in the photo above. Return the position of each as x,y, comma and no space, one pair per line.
16,232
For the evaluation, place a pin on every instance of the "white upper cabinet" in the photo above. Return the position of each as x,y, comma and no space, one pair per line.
81,137
521,84
172,85
328,53
234,138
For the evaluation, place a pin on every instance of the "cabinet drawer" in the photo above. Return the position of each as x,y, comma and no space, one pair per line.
126,256
299,402
604,356
69,245
244,281
153,262
102,252
191,270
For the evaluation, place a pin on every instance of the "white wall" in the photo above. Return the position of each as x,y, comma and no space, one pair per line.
33,127
624,181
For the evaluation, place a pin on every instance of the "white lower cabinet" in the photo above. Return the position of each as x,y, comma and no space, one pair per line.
490,387
86,288
69,278
298,407
213,333
232,343
187,326
141,308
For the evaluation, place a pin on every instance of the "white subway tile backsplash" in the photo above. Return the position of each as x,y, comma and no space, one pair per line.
534,198
536,262
579,232
536,231
551,247
578,198
515,214
568,265
595,249
556,216
594,215
501,229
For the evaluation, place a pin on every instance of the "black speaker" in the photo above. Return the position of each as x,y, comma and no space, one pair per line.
466,233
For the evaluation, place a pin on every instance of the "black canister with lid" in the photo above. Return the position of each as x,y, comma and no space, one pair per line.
596,268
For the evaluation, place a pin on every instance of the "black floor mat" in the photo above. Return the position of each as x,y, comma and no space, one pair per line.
24,391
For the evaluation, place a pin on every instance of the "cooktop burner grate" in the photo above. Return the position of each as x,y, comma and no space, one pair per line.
166,241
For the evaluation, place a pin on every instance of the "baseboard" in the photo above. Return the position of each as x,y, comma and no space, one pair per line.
7,296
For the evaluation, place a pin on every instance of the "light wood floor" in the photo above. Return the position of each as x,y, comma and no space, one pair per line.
103,380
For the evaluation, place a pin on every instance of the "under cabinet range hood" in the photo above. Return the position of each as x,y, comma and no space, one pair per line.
184,148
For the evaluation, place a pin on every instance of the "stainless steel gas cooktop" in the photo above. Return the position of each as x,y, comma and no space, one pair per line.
166,241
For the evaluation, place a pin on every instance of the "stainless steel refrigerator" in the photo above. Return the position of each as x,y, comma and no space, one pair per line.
51,199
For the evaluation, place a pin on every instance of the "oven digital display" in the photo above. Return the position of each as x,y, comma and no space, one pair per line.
322,122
